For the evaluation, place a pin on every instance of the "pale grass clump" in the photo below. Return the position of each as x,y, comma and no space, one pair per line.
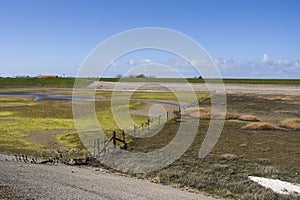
201,113
232,115
204,113
5,113
291,123
258,126
281,98
228,156
250,118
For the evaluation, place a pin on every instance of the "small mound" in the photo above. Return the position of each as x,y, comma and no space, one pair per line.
201,113
204,113
291,123
232,115
258,126
228,156
280,98
249,118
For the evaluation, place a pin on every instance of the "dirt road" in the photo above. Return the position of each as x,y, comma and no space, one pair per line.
230,88
36,181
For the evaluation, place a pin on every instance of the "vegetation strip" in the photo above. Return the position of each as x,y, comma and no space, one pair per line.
69,82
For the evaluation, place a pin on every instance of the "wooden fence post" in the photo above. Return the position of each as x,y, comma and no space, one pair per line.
114,139
148,123
98,146
134,130
94,148
123,135
104,145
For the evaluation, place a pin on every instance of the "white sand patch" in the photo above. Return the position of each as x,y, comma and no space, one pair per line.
278,186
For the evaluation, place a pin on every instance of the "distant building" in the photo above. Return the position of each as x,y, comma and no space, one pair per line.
47,76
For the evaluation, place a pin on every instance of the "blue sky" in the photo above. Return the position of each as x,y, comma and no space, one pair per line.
249,38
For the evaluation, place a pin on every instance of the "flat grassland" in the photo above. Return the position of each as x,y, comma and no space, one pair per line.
42,128
69,82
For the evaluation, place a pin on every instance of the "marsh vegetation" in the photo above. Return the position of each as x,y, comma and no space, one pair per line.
261,137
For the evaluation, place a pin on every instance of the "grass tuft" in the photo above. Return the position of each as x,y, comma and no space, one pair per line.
204,113
232,116
5,113
258,126
200,113
249,118
291,123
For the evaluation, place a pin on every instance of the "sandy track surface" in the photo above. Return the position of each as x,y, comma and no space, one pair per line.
230,88
263,89
37,181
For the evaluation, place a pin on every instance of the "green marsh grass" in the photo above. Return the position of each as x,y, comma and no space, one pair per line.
224,172
18,122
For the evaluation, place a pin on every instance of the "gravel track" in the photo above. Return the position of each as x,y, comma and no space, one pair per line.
20,180
230,88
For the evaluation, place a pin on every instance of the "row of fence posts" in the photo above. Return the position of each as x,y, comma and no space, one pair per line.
97,151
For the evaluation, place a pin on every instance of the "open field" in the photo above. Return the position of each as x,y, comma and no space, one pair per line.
42,128
197,80
39,82
29,126
69,82
272,153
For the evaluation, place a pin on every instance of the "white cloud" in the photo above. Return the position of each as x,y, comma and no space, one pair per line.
131,62
265,58
145,61
156,70
297,63
177,65
139,62
229,68
266,68
195,62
